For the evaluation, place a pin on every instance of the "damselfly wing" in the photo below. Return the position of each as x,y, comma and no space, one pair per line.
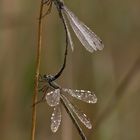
88,38
55,118
86,96
80,115
53,97
68,32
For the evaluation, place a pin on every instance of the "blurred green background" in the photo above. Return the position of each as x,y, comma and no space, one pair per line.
113,74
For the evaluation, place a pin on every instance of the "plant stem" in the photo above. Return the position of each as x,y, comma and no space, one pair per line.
37,72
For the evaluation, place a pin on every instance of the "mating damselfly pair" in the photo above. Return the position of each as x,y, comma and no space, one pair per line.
58,95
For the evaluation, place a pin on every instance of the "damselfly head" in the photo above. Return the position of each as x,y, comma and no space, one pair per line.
47,78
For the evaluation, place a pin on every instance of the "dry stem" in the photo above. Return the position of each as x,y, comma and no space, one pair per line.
37,72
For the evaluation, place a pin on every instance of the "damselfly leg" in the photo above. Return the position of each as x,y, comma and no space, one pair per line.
44,91
49,4
43,87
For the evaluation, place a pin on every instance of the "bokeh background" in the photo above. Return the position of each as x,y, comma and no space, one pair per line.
113,74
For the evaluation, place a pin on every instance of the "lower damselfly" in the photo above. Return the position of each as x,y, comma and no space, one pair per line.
57,96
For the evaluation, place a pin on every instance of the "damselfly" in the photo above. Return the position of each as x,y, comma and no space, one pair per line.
88,38
57,95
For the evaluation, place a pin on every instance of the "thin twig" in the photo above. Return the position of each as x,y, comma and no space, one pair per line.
118,93
37,72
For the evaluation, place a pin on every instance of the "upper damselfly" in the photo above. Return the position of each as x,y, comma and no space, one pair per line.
88,38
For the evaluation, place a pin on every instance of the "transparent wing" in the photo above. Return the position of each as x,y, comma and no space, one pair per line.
55,119
88,38
53,97
69,35
86,96
80,115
